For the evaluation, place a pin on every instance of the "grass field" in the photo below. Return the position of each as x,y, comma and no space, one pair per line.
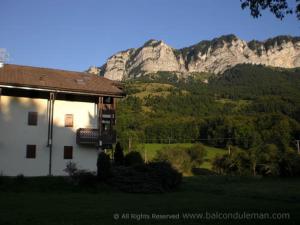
51,201
151,149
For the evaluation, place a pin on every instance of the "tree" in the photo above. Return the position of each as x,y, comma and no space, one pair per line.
133,158
197,154
119,154
280,8
103,166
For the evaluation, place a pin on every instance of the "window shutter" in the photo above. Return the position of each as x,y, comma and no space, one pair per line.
30,151
68,152
32,118
69,120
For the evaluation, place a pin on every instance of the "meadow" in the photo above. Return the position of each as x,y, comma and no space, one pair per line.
209,199
149,151
51,200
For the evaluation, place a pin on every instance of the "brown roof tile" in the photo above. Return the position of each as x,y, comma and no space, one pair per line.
60,80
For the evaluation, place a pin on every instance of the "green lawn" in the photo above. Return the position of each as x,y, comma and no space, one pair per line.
150,151
53,202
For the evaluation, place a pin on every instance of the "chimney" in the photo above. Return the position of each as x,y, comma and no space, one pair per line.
3,57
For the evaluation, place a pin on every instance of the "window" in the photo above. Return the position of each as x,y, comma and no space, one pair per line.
68,152
69,120
32,118
107,100
30,151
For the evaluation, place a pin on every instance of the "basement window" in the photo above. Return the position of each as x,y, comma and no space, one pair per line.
69,120
68,152
30,151
32,118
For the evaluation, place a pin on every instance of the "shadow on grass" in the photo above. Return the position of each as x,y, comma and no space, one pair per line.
53,184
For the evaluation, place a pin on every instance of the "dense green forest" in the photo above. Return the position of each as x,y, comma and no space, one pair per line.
246,107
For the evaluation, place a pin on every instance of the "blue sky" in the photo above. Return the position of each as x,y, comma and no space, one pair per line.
74,34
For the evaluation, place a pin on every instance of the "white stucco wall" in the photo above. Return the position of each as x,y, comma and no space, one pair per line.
15,134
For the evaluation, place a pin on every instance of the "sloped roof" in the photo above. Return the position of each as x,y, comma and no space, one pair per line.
57,80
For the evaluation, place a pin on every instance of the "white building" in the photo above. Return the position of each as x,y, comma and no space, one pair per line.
49,117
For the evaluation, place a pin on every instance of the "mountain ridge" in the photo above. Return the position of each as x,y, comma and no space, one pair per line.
211,56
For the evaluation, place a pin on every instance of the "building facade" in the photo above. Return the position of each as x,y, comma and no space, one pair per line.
50,117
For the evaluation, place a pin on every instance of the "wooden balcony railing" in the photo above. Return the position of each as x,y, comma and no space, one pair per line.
90,136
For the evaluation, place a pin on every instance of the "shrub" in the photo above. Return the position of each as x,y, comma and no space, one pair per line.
197,153
133,158
1,178
238,162
71,168
222,164
85,178
119,155
177,157
295,164
289,164
168,177
267,158
19,178
103,166
183,159
80,177
145,178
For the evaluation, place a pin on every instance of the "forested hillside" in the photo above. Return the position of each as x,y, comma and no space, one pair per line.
247,106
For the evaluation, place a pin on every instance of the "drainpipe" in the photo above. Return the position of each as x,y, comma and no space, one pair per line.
0,97
100,105
50,128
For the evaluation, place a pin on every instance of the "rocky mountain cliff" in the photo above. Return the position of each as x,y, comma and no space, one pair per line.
214,56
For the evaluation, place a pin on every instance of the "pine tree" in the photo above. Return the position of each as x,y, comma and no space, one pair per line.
119,154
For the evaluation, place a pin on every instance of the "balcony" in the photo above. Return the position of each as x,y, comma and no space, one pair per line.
108,112
90,136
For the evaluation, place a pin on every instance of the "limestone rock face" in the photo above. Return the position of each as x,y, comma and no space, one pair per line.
154,56
214,56
94,70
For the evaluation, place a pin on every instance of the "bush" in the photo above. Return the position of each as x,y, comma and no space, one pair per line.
19,179
146,178
183,159
268,158
133,158
222,164
103,166
119,155
177,157
289,164
71,168
168,177
1,178
80,177
238,162
85,178
197,153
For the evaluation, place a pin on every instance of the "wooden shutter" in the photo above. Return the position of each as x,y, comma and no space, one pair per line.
30,151
32,118
69,120
68,152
